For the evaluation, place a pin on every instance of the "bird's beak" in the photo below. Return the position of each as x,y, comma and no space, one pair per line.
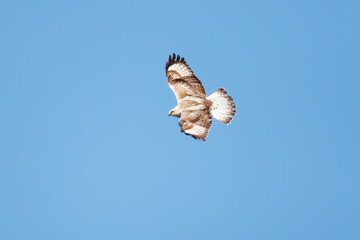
169,114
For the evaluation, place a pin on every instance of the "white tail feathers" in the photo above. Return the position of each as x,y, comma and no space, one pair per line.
222,108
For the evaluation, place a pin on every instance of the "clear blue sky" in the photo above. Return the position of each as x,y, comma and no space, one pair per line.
88,151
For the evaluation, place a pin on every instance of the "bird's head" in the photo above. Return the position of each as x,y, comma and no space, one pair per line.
175,113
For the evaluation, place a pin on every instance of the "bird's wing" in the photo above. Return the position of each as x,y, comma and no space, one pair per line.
181,78
196,123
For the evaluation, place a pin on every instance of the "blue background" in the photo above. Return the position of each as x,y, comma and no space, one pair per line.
88,151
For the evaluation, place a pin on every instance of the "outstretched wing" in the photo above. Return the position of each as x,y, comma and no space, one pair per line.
196,123
181,78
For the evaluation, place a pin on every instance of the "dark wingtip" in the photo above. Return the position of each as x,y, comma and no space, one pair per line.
174,58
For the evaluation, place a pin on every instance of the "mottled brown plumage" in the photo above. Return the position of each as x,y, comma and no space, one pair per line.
194,109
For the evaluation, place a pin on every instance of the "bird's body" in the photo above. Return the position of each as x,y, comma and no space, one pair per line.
194,109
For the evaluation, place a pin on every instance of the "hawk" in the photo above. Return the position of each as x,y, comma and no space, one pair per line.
194,109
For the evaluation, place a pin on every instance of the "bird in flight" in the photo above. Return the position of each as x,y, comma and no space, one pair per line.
194,109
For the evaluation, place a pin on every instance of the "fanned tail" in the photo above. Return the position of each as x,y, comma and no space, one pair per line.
223,107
